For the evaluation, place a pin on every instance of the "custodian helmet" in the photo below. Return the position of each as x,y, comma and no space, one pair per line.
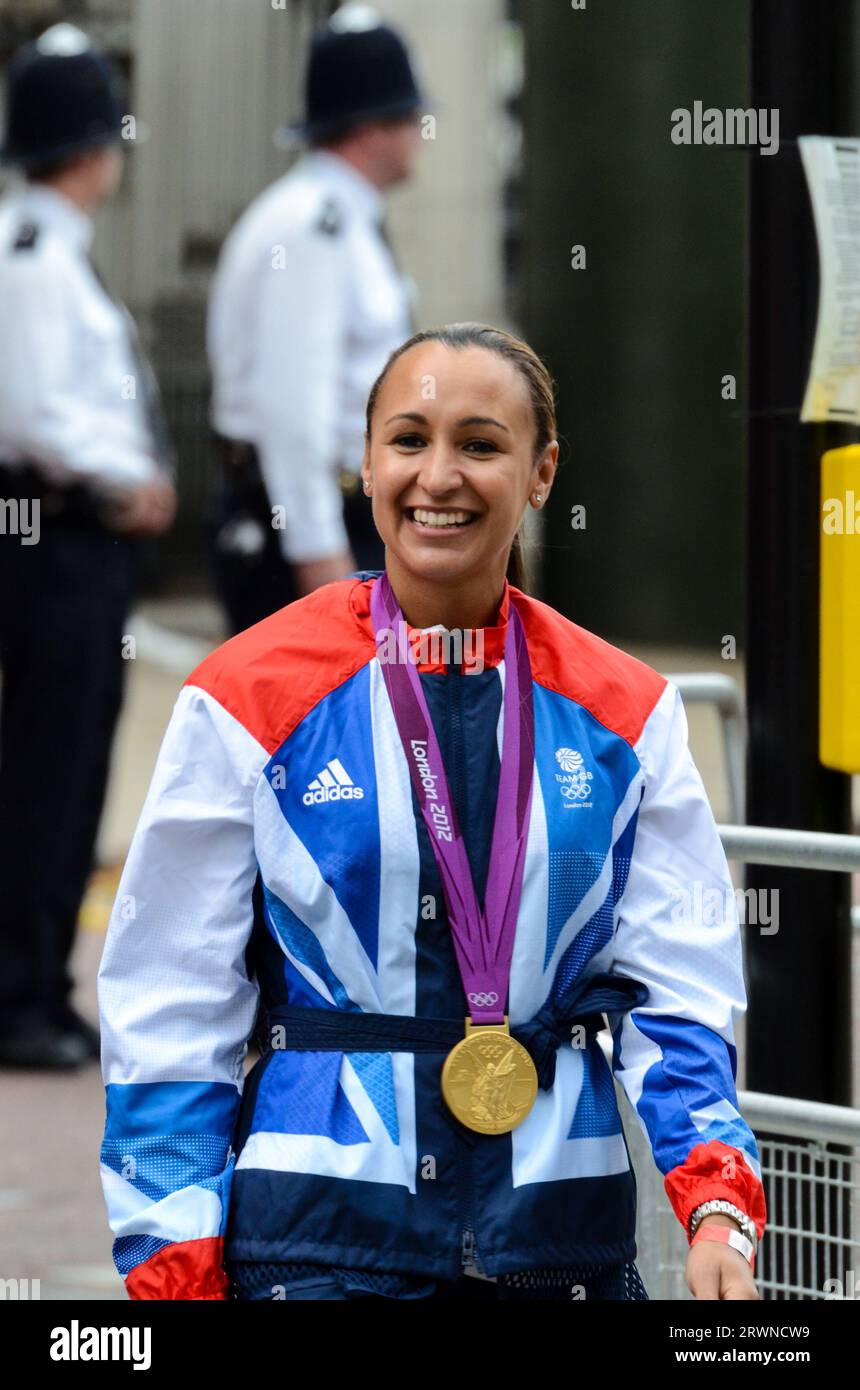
358,69
63,96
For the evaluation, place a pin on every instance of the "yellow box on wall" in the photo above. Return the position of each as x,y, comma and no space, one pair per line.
839,653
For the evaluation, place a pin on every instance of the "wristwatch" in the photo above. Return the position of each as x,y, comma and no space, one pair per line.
717,1204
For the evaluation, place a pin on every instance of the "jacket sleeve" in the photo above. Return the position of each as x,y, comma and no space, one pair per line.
300,346
176,1007
678,932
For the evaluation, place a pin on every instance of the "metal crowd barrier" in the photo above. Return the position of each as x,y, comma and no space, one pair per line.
810,1152
722,691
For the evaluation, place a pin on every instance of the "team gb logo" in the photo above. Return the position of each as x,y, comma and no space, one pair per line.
574,779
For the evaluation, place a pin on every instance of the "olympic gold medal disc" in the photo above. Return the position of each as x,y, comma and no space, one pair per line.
489,1080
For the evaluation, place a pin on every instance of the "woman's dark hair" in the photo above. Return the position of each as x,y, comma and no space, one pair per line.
530,367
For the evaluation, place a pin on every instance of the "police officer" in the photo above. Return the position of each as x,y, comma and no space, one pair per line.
307,302
81,480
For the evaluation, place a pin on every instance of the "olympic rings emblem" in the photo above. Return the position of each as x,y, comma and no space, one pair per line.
484,998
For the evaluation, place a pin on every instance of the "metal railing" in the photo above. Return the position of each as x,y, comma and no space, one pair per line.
810,1152
810,1164
795,849
723,692
810,1157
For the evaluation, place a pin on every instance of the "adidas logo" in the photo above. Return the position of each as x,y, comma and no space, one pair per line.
332,784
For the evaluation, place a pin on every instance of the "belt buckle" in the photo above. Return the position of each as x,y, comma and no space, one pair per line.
347,481
53,503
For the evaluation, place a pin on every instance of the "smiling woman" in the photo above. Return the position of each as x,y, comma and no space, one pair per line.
458,871
482,408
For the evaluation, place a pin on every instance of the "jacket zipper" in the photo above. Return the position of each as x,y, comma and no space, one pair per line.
455,705
468,1247
468,1242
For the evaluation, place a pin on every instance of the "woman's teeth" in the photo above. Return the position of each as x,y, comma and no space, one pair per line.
426,518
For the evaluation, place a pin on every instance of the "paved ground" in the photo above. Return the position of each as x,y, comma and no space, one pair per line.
52,1220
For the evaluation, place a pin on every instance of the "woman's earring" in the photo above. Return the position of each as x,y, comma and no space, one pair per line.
537,496
366,485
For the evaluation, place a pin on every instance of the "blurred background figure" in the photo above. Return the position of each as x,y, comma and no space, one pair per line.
82,455
307,302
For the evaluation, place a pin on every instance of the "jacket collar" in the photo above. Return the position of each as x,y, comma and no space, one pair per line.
47,207
473,648
341,178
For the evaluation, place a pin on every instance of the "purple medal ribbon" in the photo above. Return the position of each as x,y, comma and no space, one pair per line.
484,941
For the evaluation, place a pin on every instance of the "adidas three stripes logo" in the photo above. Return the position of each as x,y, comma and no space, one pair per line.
332,784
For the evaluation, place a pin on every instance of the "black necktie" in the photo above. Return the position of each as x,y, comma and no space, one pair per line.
153,407
382,227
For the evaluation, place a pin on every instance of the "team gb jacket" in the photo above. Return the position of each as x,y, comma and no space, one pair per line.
282,782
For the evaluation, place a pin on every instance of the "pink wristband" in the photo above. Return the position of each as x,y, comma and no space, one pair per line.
727,1236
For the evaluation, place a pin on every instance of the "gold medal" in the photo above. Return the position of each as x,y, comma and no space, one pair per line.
489,1080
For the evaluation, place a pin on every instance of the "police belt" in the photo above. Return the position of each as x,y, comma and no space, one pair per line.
237,455
75,504
240,462
338,1030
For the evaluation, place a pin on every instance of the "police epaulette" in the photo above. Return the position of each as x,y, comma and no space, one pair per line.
27,236
330,219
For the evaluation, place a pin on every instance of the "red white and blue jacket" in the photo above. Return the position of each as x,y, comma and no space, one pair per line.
282,767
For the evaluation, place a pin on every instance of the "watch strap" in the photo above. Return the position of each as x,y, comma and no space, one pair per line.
719,1204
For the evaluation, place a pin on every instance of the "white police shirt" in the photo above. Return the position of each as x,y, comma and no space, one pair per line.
306,304
70,402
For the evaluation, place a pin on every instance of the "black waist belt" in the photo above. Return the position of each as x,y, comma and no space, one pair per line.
302,1029
236,453
74,504
240,470
240,465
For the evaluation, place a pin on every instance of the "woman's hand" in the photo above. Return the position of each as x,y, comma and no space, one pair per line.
717,1271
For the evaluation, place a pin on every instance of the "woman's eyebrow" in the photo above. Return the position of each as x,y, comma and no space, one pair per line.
419,419
481,420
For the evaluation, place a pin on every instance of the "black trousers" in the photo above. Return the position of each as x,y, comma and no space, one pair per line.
254,584
63,605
